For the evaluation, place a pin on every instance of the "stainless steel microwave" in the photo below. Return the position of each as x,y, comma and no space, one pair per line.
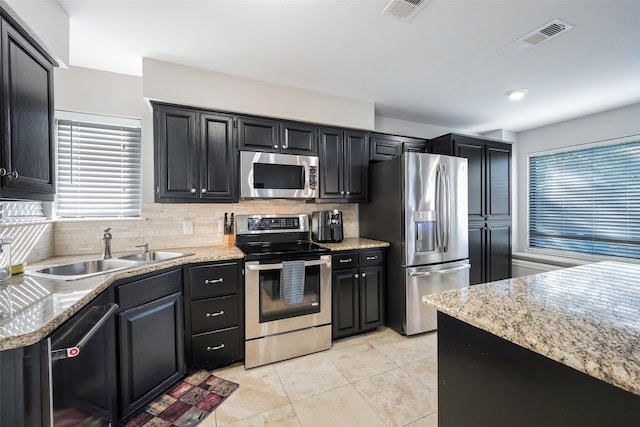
283,176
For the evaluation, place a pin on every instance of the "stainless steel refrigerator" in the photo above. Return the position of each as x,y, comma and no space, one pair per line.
418,203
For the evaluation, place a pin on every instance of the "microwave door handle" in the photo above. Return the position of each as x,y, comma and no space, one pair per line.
278,266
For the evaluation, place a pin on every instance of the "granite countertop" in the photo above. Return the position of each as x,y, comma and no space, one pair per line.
355,243
584,317
40,305
33,307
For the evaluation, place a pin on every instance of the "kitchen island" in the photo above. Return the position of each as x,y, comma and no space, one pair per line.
557,348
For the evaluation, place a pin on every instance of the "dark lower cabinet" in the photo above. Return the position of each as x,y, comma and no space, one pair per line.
26,161
151,338
215,315
358,292
489,251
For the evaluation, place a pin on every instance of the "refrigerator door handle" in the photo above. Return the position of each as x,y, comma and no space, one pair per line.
438,272
438,209
447,208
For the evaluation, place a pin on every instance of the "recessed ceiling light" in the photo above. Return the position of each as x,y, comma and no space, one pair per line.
516,94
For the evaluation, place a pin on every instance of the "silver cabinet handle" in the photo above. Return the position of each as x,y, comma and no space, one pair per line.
364,274
3,172
348,192
213,281
279,266
342,261
275,146
14,174
342,192
193,191
220,313
356,275
204,190
435,273
371,258
220,347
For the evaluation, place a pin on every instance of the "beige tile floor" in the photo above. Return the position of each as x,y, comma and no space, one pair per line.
376,379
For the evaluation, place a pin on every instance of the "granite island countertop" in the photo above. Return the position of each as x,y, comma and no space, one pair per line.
585,317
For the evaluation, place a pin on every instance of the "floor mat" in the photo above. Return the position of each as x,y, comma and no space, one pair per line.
187,403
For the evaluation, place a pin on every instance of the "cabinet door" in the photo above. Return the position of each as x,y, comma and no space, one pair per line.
258,134
356,165
498,182
414,147
217,158
498,251
345,303
27,103
299,138
331,164
151,350
371,297
477,240
384,147
476,169
176,173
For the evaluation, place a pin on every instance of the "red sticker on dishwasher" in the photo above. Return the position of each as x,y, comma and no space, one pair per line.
73,352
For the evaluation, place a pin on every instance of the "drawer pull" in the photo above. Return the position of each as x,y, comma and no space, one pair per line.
345,260
211,282
220,313
371,258
219,347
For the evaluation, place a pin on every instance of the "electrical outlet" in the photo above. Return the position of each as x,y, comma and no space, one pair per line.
187,227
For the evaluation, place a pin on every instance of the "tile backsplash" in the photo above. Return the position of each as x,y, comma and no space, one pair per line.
161,225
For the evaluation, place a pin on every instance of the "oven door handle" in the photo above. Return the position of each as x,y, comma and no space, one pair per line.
260,267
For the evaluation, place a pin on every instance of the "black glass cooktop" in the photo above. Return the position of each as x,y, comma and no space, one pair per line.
258,251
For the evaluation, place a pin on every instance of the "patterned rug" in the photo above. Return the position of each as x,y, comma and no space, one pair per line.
187,403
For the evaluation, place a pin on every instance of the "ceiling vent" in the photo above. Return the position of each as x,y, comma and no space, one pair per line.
546,32
404,10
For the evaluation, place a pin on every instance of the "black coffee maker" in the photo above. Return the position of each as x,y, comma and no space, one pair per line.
326,226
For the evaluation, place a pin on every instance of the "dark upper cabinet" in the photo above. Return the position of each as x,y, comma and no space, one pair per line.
258,134
195,155
489,202
344,165
489,173
27,163
387,147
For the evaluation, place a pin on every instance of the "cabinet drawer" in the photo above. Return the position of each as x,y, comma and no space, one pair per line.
345,260
214,349
213,280
371,257
149,289
214,313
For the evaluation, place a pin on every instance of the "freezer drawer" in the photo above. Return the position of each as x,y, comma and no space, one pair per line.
428,280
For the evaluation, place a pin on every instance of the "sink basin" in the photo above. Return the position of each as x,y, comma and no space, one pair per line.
82,269
152,256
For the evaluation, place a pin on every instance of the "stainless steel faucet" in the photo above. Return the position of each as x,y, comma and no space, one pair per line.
106,244
144,246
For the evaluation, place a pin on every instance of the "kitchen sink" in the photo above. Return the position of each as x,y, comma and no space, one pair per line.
82,269
152,256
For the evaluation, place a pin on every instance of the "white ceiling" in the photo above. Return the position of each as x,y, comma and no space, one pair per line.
446,67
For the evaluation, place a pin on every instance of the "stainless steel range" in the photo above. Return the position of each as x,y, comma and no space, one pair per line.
287,288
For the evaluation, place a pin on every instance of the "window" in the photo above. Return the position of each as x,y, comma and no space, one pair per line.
587,200
98,168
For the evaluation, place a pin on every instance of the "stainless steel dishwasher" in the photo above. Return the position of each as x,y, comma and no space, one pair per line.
82,367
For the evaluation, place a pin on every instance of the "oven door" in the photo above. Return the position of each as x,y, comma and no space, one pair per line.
274,306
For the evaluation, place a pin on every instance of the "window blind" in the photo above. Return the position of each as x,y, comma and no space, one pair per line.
587,200
98,170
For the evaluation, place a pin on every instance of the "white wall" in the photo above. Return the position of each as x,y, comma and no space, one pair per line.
405,128
612,124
